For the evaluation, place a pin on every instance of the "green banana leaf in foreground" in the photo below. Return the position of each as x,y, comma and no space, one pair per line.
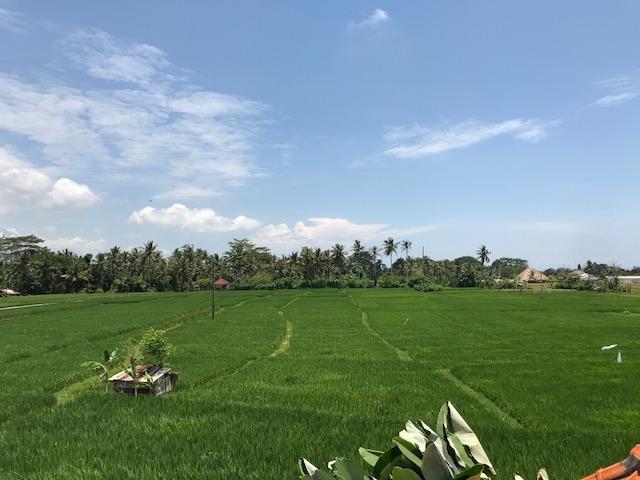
451,452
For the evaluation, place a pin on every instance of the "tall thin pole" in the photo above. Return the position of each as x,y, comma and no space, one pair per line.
213,293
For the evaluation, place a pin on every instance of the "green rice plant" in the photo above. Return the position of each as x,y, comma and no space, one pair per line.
526,372
450,452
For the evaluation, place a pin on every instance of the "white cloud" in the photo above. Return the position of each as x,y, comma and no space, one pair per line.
620,90
377,18
76,244
67,193
11,21
152,123
419,141
185,191
105,57
323,232
24,186
195,219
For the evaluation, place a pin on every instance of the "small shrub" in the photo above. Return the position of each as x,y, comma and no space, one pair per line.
391,281
354,281
202,284
509,284
427,286
154,347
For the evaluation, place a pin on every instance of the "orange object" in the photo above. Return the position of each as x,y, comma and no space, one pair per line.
628,469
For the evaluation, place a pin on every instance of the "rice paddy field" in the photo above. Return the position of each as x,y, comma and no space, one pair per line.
279,375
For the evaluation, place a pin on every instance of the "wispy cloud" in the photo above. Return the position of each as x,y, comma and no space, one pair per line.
185,192
24,186
325,231
77,244
12,21
146,115
376,19
419,141
104,56
193,219
619,90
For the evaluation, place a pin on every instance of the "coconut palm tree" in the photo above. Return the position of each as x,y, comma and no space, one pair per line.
357,248
325,264
306,261
150,257
405,246
338,257
375,254
483,254
390,248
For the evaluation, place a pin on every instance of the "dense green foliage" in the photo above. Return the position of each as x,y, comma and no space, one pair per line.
28,267
525,369
155,347
451,451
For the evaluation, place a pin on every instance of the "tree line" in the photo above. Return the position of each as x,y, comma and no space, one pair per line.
26,265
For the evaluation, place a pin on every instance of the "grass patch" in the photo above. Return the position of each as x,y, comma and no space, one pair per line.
525,370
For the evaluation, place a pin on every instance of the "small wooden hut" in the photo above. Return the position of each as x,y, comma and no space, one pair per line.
150,380
221,284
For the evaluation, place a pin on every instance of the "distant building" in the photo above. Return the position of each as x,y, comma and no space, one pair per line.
7,292
531,275
587,277
221,284
629,279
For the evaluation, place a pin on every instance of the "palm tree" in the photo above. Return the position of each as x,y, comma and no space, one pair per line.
306,260
150,258
325,263
338,257
483,254
357,248
375,253
245,257
292,264
390,248
405,246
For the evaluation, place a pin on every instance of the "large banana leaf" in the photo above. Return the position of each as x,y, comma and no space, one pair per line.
450,452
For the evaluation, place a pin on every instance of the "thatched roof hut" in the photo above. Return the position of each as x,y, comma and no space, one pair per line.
531,275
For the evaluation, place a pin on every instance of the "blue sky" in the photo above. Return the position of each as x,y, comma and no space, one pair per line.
297,123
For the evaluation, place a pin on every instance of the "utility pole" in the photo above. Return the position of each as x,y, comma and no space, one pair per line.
213,293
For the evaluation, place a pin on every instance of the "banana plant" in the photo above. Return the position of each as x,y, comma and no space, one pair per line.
103,368
450,452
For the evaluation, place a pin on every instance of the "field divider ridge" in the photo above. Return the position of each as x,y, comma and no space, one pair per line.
28,305
402,354
447,374
284,344
486,402
230,372
239,304
70,391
